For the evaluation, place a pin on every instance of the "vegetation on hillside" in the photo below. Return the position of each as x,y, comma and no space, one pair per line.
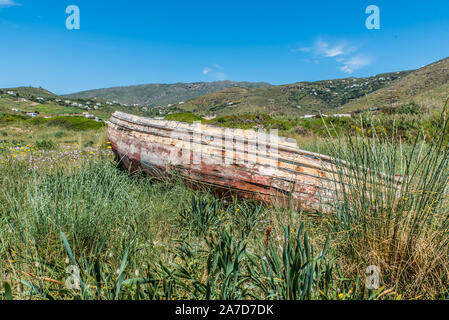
67,122
292,100
29,92
427,86
39,101
162,94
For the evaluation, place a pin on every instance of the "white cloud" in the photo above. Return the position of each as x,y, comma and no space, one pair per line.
215,72
340,51
326,49
8,3
355,63
346,69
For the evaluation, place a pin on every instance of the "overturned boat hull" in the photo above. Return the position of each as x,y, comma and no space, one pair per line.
244,163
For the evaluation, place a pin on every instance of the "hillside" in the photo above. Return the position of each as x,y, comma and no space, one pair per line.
29,92
162,94
23,100
427,86
293,99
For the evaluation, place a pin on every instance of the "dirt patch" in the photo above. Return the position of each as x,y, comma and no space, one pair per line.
22,130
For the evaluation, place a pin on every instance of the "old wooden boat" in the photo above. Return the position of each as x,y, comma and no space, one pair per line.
244,163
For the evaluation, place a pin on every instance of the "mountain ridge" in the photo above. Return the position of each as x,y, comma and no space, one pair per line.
156,94
292,99
427,86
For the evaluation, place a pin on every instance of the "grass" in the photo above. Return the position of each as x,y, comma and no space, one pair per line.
404,123
51,109
67,122
183,117
134,238
403,228
64,203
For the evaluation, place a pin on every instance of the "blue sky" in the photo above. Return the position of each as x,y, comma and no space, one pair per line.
282,41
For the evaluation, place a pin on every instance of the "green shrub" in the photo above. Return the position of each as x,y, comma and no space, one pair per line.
225,266
200,216
46,144
247,216
76,123
293,272
37,121
410,108
253,120
87,144
10,118
183,117
320,126
70,123
59,134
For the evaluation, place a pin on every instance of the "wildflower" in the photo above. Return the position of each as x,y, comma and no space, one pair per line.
340,296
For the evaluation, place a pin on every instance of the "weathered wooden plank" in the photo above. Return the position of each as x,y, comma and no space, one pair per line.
240,161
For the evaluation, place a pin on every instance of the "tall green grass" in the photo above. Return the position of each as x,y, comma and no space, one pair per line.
393,210
135,238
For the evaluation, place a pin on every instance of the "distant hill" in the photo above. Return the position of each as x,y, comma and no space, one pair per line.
30,92
162,94
293,99
427,86
23,100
